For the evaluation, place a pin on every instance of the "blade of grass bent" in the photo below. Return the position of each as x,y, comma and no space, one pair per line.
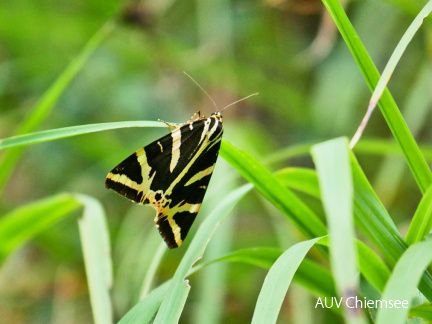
416,162
403,282
97,258
48,100
173,302
335,180
54,134
390,67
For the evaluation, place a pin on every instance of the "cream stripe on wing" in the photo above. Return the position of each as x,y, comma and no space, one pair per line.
200,175
175,152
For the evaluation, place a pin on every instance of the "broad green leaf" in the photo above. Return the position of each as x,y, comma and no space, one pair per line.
54,134
24,223
97,258
403,282
422,221
173,302
46,103
272,189
335,179
277,282
416,162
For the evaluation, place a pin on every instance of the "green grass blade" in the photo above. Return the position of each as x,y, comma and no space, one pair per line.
381,147
24,223
403,282
54,134
371,266
335,179
423,311
301,179
398,52
48,100
416,109
421,223
311,275
373,220
272,189
367,146
277,282
173,302
263,257
151,272
145,310
416,162
97,258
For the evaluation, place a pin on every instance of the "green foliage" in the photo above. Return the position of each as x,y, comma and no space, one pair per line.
334,230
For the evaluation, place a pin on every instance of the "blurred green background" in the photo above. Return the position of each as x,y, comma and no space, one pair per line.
288,51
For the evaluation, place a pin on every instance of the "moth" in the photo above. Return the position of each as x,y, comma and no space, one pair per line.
172,174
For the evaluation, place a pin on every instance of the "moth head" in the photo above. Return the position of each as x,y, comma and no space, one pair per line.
218,115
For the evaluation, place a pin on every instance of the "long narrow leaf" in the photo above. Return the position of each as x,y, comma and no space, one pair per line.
277,282
97,256
54,134
335,179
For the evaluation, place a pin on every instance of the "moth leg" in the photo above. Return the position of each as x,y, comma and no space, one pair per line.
174,125
196,116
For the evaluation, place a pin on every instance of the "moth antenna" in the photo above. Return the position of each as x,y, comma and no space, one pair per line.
254,94
211,99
